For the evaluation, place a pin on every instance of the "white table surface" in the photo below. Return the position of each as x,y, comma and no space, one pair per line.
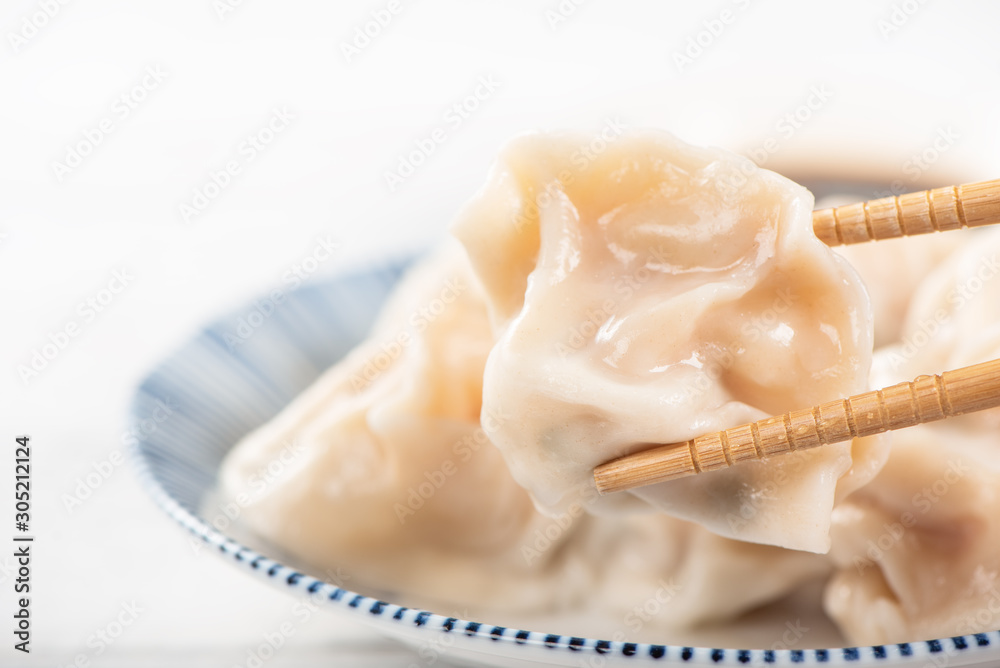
64,235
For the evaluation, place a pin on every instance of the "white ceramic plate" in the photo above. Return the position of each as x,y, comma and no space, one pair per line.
244,368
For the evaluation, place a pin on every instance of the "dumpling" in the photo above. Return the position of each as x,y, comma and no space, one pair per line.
651,292
394,484
891,270
393,477
918,548
706,579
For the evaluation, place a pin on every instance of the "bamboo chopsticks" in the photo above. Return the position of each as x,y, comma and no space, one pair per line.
925,399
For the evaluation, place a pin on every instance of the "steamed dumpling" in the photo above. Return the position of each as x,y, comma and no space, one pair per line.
393,476
395,484
918,548
891,270
648,293
652,293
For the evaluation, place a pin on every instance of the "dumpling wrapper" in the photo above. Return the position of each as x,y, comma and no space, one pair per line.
653,292
891,271
393,478
394,486
918,548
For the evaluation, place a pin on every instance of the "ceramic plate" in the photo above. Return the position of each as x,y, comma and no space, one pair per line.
241,370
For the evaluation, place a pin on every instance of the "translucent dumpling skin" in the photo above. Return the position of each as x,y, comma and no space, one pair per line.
606,301
891,270
393,478
918,548
639,298
389,479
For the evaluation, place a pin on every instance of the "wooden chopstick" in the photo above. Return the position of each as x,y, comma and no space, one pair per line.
926,399
951,208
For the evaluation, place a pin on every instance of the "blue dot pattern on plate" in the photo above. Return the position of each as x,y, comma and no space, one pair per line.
230,379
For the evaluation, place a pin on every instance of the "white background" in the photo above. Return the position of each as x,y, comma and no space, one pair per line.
893,90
